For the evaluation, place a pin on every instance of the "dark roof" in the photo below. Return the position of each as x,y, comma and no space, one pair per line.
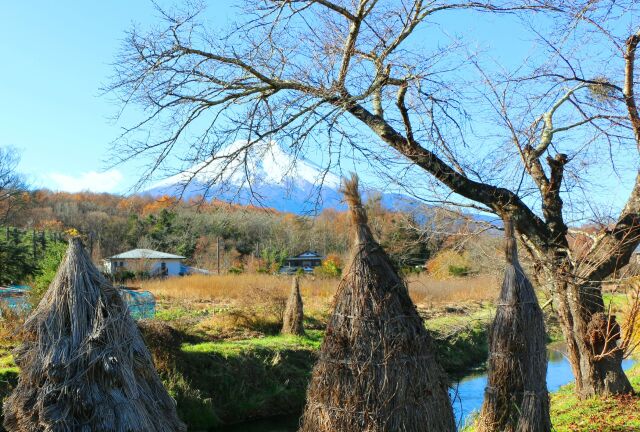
307,255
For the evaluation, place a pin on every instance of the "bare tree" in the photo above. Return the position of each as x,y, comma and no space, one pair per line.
350,77
558,135
12,184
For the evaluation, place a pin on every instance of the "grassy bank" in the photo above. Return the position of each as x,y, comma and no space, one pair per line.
460,335
613,414
596,414
226,382
231,381
8,374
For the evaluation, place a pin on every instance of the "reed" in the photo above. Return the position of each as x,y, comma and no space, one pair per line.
294,313
84,365
376,370
516,397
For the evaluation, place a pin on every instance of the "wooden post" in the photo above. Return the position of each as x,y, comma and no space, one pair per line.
35,246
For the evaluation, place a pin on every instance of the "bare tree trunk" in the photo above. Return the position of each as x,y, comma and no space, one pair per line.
516,397
596,361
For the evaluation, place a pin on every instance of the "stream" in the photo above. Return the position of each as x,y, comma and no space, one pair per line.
466,395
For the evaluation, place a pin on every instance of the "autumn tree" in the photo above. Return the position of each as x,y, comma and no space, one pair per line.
360,77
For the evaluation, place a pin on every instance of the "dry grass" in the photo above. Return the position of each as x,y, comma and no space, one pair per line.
242,289
236,305
235,287
428,291
241,305
11,323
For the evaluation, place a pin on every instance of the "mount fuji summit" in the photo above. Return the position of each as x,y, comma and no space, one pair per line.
264,175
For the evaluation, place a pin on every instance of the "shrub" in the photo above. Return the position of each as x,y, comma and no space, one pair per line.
48,269
411,270
331,267
458,271
123,276
274,258
236,270
449,263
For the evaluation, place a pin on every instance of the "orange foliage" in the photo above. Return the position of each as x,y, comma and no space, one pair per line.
164,202
333,259
133,204
50,225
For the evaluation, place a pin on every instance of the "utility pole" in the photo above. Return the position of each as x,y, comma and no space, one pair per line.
218,253
35,248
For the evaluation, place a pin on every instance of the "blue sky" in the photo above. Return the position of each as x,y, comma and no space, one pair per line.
57,55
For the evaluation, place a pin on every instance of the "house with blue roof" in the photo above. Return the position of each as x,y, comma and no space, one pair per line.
154,263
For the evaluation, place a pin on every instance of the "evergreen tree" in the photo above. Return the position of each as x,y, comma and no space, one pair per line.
16,260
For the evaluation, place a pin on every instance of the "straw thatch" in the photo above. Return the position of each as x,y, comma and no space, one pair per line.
294,311
376,369
84,366
516,397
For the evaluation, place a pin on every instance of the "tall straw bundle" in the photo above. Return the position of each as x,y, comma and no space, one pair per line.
294,312
376,369
84,366
516,397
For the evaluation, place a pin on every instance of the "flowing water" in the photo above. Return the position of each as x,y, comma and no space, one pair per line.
467,397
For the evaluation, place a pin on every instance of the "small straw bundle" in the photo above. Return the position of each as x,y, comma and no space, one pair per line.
516,398
376,370
294,312
84,366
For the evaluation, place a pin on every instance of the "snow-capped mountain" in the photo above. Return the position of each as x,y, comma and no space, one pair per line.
265,175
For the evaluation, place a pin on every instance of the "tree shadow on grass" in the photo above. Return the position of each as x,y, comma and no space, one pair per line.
255,383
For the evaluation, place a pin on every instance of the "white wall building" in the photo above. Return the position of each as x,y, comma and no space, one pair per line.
154,263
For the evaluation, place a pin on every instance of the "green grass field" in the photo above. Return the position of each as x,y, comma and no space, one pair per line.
613,414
